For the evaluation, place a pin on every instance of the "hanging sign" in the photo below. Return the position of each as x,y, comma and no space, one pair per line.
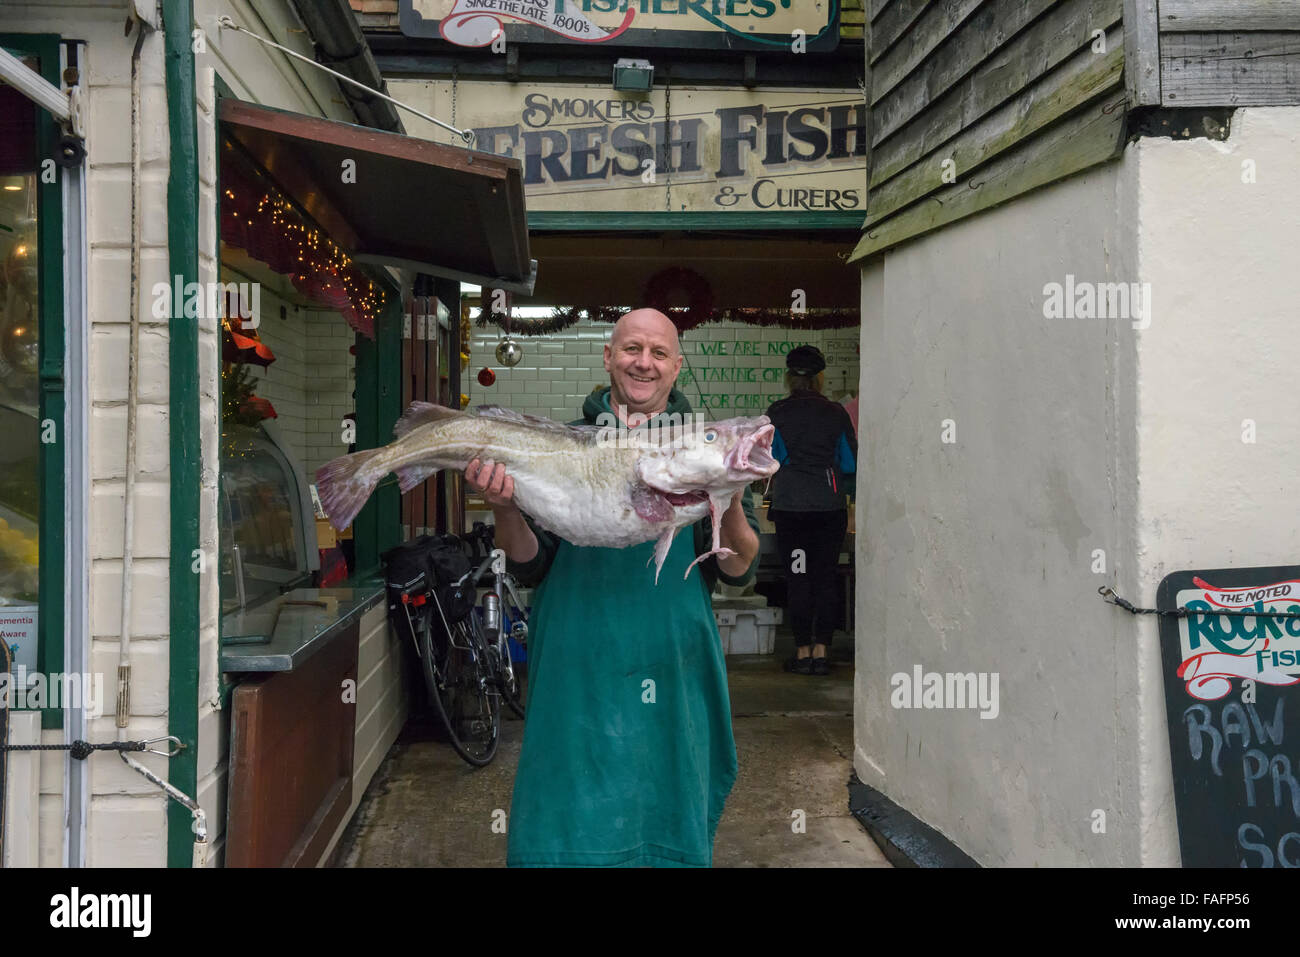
688,148
1232,693
802,26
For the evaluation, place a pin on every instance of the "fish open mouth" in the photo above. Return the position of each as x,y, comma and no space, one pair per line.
686,498
754,453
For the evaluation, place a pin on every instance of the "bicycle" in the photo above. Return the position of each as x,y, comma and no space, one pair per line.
464,653
498,621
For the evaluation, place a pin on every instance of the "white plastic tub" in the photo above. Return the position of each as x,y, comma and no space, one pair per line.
747,630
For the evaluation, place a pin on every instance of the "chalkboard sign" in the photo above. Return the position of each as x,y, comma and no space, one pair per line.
1232,691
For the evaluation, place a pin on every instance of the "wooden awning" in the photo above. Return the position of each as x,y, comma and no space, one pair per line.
401,201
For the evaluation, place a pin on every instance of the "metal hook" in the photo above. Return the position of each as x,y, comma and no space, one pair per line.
166,754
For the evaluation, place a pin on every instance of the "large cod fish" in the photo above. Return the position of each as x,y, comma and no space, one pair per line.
588,484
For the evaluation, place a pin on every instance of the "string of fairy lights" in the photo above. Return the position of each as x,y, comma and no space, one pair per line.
258,218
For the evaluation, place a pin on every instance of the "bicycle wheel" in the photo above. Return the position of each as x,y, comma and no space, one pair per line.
456,672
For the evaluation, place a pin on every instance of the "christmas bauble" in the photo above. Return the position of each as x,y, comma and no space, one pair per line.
509,352
486,377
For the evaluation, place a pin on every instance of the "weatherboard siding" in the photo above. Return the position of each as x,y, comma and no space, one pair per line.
991,97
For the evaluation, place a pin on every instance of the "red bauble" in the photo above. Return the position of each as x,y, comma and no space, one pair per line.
486,376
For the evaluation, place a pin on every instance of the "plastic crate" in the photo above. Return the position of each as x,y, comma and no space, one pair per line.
747,631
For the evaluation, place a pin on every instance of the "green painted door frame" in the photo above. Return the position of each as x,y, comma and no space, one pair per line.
378,527
186,428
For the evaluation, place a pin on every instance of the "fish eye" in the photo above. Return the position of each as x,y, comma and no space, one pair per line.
710,435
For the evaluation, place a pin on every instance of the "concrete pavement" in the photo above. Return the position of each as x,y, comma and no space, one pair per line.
794,740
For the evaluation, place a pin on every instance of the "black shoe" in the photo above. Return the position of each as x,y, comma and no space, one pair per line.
821,666
800,666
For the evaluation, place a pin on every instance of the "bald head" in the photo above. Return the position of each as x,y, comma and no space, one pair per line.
643,359
649,321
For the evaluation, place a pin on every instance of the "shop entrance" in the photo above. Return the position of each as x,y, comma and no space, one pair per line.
742,299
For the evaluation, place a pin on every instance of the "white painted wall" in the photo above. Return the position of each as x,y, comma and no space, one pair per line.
127,824
1221,255
1072,435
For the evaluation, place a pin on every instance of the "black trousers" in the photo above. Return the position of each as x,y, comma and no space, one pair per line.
809,544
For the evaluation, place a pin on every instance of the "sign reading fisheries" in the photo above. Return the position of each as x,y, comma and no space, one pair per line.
718,24
1232,693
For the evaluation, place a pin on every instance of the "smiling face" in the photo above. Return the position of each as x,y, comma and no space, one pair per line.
643,361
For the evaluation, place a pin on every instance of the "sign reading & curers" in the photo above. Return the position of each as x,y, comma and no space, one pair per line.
715,24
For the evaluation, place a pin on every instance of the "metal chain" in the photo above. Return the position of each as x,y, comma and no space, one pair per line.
1182,612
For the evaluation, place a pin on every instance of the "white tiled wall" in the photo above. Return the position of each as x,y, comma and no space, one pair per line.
560,369
310,384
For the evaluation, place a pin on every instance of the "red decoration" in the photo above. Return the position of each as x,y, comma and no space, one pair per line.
262,408
239,346
486,377
699,296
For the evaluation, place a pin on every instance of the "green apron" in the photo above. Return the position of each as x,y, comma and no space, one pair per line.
628,755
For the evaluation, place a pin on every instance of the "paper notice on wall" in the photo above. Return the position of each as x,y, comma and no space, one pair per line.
18,630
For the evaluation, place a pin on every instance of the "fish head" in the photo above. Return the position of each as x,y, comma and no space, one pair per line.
710,455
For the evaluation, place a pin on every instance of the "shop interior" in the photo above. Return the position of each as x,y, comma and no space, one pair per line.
752,285
20,367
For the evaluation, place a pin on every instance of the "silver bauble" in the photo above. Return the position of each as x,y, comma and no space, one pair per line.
509,352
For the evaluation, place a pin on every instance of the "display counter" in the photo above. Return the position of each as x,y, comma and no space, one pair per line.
293,722
281,633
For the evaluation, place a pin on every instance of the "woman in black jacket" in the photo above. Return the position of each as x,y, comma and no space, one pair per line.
817,448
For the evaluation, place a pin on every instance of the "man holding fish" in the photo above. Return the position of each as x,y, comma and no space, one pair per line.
628,755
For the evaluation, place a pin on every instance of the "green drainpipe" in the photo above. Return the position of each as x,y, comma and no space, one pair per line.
183,356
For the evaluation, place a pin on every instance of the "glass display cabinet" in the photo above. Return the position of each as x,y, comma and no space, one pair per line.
268,531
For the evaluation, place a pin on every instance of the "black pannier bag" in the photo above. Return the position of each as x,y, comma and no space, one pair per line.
448,563
425,564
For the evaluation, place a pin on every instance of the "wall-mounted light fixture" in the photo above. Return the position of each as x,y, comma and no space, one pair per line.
633,76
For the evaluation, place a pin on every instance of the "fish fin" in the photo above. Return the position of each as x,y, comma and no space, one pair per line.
720,552
651,504
344,485
422,413
715,516
411,476
662,547
583,433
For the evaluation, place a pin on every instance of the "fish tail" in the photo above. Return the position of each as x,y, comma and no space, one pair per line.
345,483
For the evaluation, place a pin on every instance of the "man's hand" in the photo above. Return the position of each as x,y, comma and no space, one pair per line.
489,478
513,535
736,533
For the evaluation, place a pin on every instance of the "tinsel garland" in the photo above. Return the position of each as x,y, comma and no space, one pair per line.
562,318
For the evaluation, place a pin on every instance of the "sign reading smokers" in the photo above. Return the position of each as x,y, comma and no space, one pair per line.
719,149
726,24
